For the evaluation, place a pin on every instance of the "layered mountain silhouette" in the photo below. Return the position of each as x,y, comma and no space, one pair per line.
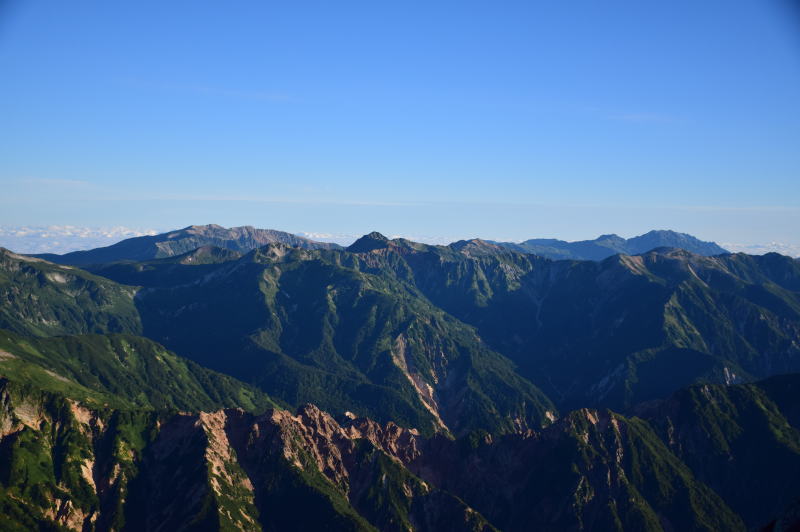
606,245
395,385
182,241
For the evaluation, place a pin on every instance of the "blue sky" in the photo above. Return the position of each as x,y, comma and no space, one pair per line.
448,119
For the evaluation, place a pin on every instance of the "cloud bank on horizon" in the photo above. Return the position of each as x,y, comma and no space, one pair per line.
64,238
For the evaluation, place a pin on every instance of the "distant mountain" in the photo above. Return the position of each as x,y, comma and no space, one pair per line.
142,248
606,245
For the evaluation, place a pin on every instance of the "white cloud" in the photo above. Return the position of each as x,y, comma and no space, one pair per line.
64,238
791,250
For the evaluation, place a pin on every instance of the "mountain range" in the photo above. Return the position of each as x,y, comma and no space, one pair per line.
247,238
605,246
181,241
395,385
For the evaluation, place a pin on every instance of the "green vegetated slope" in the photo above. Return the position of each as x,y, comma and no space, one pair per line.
321,327
175,270
711,457
40,298
619,331
433,332
591,470
122,371
608,333
743,441
308,328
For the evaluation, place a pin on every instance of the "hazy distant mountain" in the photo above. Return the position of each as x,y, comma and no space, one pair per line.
182,241
606,245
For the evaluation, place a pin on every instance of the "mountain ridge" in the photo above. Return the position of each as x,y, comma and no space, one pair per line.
607,245
180,241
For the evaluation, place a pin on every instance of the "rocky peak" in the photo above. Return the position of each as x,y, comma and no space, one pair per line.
369,242
610,237
476,247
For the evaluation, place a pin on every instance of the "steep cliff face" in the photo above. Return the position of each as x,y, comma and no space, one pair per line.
89,469
591,470
63,464
80,469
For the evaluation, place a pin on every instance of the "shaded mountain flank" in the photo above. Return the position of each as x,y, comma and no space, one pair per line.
121,371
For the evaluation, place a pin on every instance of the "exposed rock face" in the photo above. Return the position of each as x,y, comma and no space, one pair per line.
221,470
591,470
233,470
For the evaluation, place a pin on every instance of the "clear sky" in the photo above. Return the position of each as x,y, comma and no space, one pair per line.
498,119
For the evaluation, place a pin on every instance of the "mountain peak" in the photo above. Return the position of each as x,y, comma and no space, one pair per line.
476,246
374,235
368,242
